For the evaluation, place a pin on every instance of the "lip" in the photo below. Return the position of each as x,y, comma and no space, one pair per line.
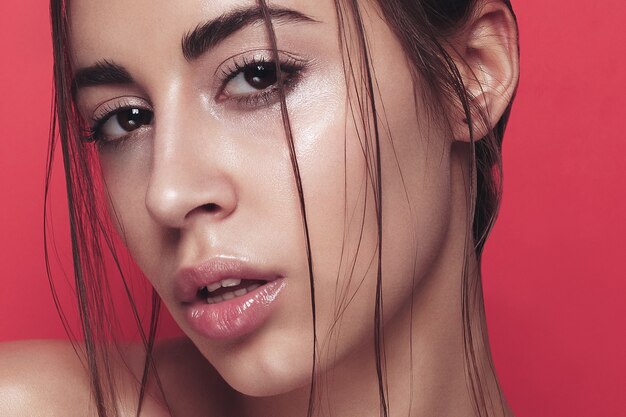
232,318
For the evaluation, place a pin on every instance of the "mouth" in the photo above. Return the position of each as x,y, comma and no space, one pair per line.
224,298
228,289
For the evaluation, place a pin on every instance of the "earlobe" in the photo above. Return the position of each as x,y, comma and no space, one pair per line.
487,56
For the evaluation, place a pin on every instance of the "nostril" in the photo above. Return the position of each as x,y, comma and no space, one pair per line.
211,208
214,210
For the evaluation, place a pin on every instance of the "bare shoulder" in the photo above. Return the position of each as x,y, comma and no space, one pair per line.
49,378
43,378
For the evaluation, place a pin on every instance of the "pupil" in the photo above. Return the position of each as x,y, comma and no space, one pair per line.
261,76
132,119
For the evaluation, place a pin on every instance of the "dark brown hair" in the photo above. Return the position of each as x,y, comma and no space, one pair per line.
422,28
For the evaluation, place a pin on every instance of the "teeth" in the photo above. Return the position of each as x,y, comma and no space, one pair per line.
231,294
240,292
230,282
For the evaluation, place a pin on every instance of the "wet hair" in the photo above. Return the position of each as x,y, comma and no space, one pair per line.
423,28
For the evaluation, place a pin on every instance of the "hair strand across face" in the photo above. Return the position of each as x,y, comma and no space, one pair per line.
421,28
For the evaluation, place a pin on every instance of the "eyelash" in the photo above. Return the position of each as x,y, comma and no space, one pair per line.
290,67
93,131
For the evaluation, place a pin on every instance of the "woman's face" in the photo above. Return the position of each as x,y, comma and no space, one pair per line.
195,158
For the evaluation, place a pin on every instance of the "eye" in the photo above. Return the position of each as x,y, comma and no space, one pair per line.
251,79
252,83
119,123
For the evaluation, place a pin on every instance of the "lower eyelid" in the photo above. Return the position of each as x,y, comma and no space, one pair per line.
103,142
265,98
293,75
96,128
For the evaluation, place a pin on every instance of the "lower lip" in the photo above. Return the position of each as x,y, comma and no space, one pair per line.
237,317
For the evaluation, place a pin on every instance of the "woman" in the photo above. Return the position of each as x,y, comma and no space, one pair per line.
306,185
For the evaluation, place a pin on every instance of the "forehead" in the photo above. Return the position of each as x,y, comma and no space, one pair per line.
138,29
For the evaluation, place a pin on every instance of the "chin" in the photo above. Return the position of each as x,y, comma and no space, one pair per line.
264,385
265,367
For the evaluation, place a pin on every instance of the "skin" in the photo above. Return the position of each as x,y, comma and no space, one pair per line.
205,147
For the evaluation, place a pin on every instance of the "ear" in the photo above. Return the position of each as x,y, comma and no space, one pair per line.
487,56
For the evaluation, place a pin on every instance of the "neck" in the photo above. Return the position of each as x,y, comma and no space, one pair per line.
428,369
424,370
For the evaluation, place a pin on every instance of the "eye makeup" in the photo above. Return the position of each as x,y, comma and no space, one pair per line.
118,119
246,82
251,80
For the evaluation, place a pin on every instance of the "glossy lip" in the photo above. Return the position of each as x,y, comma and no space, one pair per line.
232,318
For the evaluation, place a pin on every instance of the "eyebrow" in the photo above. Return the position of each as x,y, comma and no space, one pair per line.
195,43
207,35
101,73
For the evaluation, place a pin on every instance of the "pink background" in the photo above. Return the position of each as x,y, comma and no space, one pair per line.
554,267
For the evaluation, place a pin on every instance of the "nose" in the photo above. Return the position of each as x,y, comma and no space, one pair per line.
189,176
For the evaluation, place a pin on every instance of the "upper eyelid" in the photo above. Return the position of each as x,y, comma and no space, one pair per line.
107,108
97,121
110,106
229,73
95,133
269,57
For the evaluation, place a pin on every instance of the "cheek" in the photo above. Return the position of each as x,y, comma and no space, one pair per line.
332,167
415,175
416,215
416,198
340,184
126,173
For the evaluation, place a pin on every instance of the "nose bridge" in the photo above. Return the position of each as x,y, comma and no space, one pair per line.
189,176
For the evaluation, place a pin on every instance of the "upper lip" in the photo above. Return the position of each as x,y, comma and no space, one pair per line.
189,280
